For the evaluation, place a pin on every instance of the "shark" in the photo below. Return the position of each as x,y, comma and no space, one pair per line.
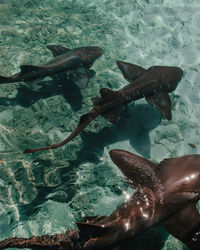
153,84
165,193
75,63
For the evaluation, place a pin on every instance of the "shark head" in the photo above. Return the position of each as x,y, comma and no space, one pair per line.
166,74
169,75
138,171
88,54
176,180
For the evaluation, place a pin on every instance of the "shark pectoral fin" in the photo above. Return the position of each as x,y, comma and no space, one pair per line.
113,115
29,68
184,223
130,71
162,102
58,50
79,76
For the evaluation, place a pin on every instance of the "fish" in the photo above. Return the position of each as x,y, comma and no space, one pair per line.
165,193
154,84
75,63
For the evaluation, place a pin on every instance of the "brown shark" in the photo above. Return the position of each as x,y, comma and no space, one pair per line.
166,193
75,63
154,84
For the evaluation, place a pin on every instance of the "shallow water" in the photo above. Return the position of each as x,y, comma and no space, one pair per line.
46,192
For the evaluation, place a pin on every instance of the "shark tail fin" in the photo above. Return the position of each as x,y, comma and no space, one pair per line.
4,79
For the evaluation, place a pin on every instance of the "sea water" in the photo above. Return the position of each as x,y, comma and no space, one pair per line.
48,191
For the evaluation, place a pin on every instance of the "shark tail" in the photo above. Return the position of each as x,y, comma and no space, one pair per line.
71,240
4,79
84,121
108,95
41,242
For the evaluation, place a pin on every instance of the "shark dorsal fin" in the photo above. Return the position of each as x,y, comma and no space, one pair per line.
130,71
183,223
58,50
113,115
138,171
108,94
29,68
162,102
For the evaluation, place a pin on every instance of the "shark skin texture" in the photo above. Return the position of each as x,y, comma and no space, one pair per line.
75,63
154,84
166,193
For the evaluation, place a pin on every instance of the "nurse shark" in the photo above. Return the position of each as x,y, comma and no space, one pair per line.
165,193
75,63
154,84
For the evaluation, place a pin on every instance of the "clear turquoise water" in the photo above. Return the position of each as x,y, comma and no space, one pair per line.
46,192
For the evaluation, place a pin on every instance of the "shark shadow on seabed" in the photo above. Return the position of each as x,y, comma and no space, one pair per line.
135,128
60,85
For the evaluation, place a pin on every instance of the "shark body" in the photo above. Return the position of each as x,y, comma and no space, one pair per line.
75,63
154,84
165,193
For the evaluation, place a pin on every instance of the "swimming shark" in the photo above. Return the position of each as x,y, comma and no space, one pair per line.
154,84
166,193
75,63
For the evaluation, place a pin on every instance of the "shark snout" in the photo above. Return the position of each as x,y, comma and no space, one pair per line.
94,51
118,156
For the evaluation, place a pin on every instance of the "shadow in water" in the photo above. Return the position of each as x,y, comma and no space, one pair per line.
135,128
29,209
60,85
152,239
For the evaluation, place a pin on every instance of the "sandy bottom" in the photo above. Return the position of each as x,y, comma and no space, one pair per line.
46,192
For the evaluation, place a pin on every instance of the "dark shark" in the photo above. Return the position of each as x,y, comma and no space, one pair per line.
154,84
75,63
166,193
